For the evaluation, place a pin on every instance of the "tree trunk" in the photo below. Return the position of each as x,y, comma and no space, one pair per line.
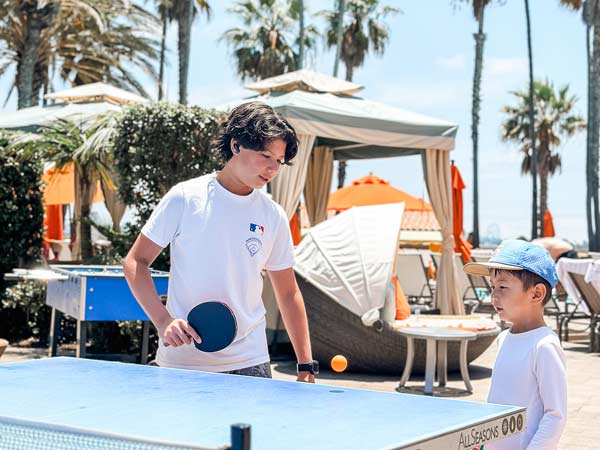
29,58
479,41
339,35
534,206
595,137
163,45
301,49
543,196
185,31
85,228
341,173
349,72
589,136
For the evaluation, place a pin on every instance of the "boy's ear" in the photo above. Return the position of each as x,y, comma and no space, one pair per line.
539,293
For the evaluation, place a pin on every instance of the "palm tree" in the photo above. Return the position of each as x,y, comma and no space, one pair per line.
183,12
362,28
534,207
83,42
267,43
478,12
64,142
590,10
555,120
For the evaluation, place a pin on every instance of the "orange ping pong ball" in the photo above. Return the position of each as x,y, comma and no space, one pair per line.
339,363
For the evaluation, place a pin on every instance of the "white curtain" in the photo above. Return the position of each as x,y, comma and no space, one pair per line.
287,186
318,184
439,187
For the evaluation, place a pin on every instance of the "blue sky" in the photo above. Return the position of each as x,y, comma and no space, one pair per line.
428,68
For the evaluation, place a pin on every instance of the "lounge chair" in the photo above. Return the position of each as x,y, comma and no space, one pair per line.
412,275
591,297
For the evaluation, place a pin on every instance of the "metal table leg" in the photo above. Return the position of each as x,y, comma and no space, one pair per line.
410,356
442,363
430,366
54,331
145,335
464,370
81,338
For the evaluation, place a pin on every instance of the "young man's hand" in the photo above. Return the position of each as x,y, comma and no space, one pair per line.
306,377
178,332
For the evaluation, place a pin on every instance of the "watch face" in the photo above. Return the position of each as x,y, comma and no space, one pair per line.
315,367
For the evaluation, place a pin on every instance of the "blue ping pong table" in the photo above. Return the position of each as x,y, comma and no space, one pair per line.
69,403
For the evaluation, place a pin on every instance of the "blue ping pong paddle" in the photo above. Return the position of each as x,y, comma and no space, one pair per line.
215,323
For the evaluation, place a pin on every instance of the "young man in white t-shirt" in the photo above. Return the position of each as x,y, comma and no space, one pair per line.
224,232
530,366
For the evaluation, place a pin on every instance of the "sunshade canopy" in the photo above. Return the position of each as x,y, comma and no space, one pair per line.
372,190
305,80
357,128
30,119
97,92
351,256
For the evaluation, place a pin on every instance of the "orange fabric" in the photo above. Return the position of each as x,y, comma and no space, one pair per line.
372,190
295,229
548,225
53,223
431,272
460,244
402,307
60,188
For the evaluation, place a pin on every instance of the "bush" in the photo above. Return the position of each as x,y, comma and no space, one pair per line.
22,211
158,145
21,232
24,312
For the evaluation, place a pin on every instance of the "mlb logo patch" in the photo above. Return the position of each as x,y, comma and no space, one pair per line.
254,228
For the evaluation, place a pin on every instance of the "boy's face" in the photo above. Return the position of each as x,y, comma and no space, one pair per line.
255,168
512,302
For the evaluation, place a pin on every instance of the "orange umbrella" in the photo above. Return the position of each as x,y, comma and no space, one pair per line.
548,230
460,244
53,222
60,187
60,191
372,190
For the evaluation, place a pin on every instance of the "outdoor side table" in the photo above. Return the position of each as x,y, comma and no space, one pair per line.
436,341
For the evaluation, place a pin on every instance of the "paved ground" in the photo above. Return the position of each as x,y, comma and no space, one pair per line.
582,432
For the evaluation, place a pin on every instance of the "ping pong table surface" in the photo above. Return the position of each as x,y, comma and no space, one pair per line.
191,409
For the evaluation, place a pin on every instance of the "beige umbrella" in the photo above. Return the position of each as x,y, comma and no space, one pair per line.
305,80
97,92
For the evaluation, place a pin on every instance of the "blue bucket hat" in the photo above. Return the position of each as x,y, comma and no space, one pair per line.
513,254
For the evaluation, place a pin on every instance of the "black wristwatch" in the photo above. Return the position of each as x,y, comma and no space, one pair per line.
312,367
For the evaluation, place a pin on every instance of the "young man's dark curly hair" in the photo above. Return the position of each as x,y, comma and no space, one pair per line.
253,125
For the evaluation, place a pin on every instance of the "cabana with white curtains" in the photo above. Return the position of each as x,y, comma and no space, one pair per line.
345,127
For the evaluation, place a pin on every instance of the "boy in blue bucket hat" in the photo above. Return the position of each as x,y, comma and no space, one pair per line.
530,365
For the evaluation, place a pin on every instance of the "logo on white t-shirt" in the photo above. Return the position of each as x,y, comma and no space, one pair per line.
259,229
253,245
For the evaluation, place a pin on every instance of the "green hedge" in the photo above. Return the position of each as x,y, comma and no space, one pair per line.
22,313
159,145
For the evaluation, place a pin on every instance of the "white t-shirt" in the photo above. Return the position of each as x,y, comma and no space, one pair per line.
530,371
220,243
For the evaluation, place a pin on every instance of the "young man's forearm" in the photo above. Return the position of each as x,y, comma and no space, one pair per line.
293,313
140,282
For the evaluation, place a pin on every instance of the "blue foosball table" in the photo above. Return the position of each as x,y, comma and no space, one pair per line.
93,294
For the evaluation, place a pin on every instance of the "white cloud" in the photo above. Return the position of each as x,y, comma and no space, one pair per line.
502,67
214,94
455,63
420,97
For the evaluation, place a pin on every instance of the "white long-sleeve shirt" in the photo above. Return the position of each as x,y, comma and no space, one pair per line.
530,371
